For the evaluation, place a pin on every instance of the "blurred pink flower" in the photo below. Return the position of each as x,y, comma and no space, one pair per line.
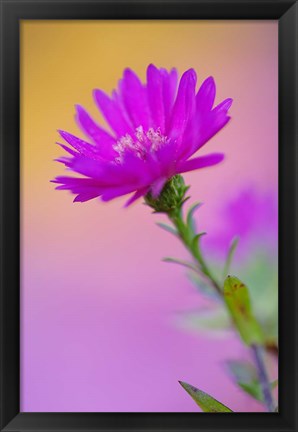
155,130
253,217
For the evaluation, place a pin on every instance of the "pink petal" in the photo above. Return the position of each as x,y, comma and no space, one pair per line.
138,194
80,145
170,80
199,162
206,95
211,127
75,182
103,140
86,196
69,150
224,106
85,189
87,167
135,99
155,97
65,160
117,191
203,127
184,104
167,157
133,171
112,113
157,186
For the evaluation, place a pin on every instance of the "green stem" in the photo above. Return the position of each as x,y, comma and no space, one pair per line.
263,377
189,240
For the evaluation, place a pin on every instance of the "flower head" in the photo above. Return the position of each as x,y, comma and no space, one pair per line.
155,129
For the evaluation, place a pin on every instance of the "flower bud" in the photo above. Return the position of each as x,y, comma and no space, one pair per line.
170,198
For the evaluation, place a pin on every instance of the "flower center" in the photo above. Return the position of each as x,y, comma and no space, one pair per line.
141,143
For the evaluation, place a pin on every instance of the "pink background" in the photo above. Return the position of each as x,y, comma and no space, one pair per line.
98,306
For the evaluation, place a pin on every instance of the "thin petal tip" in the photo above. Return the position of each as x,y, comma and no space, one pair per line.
191,74
62,133
210,80
152,67
128,71
97,94
229,103
79,108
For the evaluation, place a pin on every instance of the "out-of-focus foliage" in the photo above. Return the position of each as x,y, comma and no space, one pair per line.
237,299
206,402
245,244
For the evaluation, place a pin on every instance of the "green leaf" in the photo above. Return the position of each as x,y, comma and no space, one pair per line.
245,375
167,228
230,255
202,285
183,263
254,389
185,199
261,276
238,302
207,319
242,371
197,238
189,219
206,402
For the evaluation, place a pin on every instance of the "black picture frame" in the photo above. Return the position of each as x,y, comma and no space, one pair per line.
12,11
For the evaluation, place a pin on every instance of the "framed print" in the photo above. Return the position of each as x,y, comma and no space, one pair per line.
148,214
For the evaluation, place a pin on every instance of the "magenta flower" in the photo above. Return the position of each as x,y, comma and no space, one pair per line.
155,129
